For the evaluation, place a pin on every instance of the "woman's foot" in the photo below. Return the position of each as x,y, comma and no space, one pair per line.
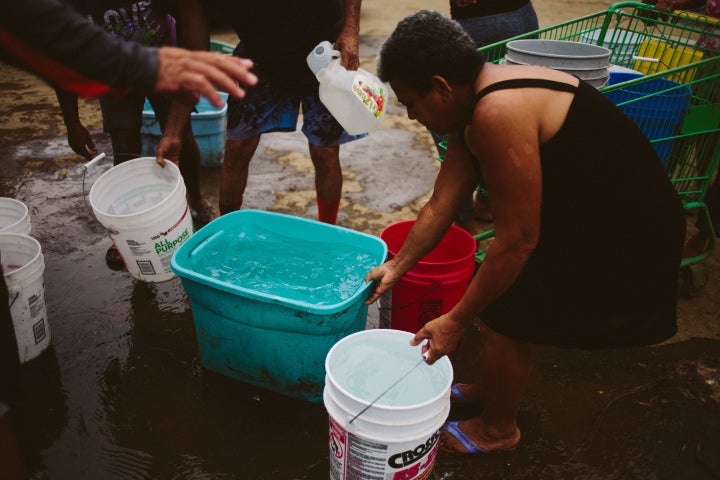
465,394
469,437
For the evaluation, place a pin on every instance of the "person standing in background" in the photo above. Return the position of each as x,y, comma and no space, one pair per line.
56,43
277,37
491,21
149,24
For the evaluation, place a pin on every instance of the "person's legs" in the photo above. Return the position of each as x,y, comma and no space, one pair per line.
328,181
502,380
126,145
189,162
234,172
325,135
265,108
122,119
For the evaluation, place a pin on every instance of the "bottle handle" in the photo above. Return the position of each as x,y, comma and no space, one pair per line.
321,56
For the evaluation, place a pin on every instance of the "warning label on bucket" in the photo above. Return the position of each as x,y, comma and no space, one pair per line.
356,458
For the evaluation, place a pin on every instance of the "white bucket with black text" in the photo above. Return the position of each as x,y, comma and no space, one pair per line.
23,267
397,437
143,207
14,216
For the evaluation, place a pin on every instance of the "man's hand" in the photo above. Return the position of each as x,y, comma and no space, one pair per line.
201,73
80,140
347,45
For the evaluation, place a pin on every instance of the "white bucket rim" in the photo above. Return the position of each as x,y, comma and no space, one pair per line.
23,207
29,263
390,408
126,165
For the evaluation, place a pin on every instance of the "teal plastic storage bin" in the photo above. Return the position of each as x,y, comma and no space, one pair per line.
272,293
208,124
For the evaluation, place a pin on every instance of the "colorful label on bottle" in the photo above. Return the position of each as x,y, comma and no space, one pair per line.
370,93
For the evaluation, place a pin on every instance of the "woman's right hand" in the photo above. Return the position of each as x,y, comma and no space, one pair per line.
384,277
443,335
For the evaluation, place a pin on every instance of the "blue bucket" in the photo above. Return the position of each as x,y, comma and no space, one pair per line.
272,293
659,115
208,126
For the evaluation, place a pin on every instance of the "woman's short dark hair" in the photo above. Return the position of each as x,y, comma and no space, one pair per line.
425,44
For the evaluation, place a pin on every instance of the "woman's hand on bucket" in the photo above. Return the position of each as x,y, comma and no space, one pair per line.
384,277
443,335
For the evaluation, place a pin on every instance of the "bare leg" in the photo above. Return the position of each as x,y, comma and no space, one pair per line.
126,145
234,172
504,375
328,181
190,169
189,159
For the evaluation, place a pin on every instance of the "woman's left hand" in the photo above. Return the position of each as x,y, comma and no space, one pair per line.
384,276
443,335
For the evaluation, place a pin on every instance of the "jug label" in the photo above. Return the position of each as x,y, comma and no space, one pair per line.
370,94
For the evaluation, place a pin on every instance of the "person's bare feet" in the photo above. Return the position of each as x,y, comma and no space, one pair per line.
469,436
202,211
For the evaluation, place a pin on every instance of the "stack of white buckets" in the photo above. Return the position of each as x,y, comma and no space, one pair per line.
23,266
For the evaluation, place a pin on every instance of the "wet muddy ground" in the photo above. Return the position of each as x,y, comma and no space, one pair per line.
121,392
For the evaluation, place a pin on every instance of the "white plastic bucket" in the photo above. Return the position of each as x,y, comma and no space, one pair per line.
24,266
143,207
14,216
397,437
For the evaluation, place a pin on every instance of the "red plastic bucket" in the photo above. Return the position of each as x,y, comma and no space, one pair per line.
434,285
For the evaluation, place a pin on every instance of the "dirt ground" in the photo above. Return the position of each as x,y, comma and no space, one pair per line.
122,394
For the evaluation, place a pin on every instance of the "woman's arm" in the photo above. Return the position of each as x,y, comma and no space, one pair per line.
505,136
454,184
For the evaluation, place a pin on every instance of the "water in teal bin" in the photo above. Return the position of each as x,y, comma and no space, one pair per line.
367,369
314,272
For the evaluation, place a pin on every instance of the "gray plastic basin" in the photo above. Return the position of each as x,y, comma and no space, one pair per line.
559,54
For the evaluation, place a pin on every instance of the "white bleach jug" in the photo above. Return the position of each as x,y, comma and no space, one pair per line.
356,99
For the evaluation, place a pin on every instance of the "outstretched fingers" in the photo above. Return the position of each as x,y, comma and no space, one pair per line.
203,73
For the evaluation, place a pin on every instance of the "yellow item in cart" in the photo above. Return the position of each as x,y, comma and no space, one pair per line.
657,56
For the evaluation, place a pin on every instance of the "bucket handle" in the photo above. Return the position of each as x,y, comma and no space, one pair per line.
85,167
12,302
432,287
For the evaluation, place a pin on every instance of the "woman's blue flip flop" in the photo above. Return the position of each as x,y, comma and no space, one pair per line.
457,398
453,429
